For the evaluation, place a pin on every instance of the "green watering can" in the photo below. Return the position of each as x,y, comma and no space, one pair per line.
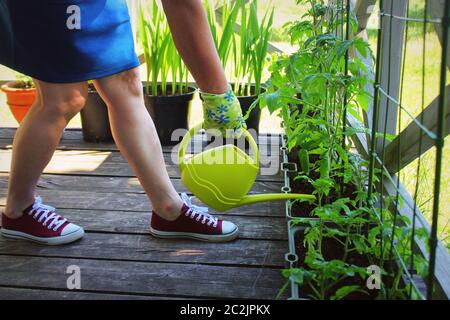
222,176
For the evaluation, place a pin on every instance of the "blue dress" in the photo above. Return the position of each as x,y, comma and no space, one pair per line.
63,41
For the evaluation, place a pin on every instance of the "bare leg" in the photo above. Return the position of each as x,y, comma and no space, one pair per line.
137,139
188,17
37,139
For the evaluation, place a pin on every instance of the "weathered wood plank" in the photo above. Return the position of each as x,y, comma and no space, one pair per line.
10,293
100,163
145,248
76,136
68,145
143,278
99,184
135,222
130,202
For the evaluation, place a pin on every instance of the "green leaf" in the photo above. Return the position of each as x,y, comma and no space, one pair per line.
345,291
272,101
325,166
362,47
228,33
342,48
343,154
304,160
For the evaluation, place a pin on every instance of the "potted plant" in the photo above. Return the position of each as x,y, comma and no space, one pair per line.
248,51
20,95
167,101
94,118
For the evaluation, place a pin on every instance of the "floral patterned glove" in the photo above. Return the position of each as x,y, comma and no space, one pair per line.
223,112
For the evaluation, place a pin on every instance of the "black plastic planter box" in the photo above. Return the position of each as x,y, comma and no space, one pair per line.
95,120
294,258
288,169
169,113
252,121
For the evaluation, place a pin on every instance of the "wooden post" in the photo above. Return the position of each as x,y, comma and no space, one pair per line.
363,9
391,62
435,10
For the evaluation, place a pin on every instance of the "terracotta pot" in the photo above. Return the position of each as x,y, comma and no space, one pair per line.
19,100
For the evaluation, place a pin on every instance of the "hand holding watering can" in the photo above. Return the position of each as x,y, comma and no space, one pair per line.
221,177
223,113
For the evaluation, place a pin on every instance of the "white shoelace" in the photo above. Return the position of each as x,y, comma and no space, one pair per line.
198,212
46,214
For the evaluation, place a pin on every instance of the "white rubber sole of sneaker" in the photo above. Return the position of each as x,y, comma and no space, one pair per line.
68,238
197,236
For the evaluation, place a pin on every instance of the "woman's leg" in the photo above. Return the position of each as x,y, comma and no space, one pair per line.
37,138
137,139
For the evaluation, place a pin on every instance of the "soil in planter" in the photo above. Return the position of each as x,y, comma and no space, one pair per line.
333,250
169,92
22,85
304,209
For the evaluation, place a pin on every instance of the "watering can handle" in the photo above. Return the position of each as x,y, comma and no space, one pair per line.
187,138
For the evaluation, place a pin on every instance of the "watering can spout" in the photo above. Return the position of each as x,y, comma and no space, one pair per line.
221,177
254,198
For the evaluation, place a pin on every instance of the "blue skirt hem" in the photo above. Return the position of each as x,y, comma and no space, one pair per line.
81,78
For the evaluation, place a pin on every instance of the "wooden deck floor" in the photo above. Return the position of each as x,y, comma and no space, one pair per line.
92,185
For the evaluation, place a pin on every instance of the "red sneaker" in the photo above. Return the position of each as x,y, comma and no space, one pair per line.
41,224
194,222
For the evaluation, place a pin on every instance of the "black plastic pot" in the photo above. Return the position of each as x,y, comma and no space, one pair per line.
297,254
255,115
95,120
169,113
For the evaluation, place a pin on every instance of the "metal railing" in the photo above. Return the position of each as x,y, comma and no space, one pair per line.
424,132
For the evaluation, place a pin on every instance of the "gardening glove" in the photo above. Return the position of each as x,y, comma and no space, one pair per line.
223,112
